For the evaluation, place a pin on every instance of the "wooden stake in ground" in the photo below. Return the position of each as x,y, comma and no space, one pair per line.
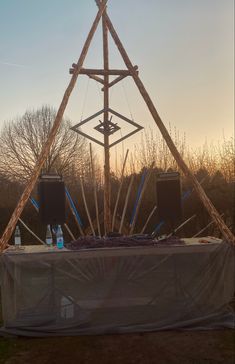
146,181
31,232
72,208
69,231
95,192
75,218
226,233
208,225
86,207
119,190
181,225
46,148
148,219
126,203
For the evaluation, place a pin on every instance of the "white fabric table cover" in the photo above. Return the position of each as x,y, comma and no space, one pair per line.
60,292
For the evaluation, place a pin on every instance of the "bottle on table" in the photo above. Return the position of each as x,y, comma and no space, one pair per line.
59,238
49,240
17,237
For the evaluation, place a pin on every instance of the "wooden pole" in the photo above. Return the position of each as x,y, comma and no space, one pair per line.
107,187
148,219
86,207
95,192
118,79
31,232
181,225
208,225
126,203
46,148
119,190
140,198
98,79
69,231
225,231
75,217
100,72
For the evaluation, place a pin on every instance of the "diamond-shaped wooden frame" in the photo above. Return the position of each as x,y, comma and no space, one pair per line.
77,126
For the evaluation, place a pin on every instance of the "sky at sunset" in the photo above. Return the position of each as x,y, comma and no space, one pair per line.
184,50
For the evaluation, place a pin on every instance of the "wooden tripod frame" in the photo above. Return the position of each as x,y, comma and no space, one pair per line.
131,70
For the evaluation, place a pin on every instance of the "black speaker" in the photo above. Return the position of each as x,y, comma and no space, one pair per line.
169,204
51,192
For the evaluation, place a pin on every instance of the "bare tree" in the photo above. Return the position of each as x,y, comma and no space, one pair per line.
153,148
21,141
210,156
227,157
213,158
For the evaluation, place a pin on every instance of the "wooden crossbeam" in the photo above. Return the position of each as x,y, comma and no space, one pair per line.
100,80
100,72
96,78
118,79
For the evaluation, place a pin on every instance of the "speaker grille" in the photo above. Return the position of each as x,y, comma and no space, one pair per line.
51,201
169,196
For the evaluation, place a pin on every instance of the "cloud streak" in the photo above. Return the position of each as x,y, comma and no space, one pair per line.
12,64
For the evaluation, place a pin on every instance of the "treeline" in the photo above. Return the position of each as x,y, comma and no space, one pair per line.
21,142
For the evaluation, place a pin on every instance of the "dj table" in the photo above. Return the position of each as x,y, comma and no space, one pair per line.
121,289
